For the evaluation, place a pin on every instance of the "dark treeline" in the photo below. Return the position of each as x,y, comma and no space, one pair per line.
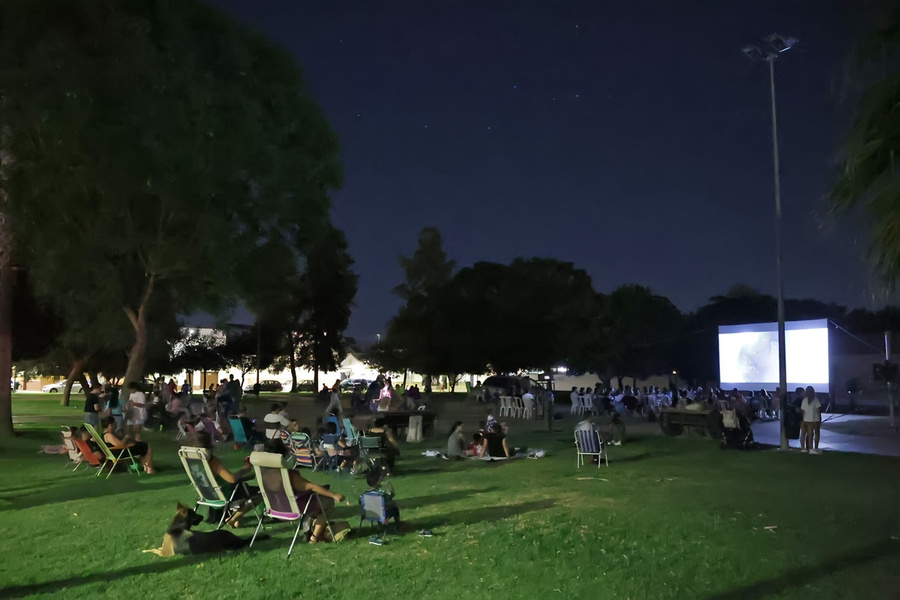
541,313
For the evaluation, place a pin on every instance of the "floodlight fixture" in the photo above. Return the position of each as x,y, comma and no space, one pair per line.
780,43
752,52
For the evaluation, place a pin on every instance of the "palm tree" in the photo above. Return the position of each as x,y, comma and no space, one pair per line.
869,175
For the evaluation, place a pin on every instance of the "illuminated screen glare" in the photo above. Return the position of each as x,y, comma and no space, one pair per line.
748,355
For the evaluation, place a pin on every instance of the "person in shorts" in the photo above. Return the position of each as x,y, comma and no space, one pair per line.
137,411
811,410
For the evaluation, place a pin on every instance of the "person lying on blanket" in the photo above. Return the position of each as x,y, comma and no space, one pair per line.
494,444
303,488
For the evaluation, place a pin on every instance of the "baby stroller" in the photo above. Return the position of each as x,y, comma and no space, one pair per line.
736,432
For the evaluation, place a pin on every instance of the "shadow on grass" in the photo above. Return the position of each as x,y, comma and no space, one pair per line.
420,501
480,515
22,591
632,458
808,574
91,487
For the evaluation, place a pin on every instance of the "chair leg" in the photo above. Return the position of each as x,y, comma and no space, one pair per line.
296,533
255,533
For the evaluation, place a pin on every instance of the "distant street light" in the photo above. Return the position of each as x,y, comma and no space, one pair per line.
778,44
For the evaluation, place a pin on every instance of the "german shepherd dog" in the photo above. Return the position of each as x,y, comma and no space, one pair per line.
179,539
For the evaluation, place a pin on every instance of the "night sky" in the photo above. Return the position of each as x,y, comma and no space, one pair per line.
630,138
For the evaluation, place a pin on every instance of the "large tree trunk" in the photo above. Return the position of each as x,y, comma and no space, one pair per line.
76,373
293,363
138,353
7,294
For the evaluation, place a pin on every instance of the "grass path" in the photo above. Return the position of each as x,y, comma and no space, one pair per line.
670,518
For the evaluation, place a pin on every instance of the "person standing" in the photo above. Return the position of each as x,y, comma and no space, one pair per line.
811,409
334,406
92,406
137,411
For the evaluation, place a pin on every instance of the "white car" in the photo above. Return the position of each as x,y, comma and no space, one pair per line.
59,386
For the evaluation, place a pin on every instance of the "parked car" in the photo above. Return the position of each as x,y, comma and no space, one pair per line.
59,386
347,385
266,385
306,385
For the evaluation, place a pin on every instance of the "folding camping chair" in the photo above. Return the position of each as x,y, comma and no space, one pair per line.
368,444
352,434
336,421
282,504
376,506
87,454
209,493
301,450
589,443
75,457
185,430
114,455
238,432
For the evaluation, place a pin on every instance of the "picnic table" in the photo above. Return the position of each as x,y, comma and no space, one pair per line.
399,419
672,421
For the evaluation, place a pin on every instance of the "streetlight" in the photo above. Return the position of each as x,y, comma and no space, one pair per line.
778,44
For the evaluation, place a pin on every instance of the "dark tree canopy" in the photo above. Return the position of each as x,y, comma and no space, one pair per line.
151,147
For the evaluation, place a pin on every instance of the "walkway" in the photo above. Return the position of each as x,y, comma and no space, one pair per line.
845,433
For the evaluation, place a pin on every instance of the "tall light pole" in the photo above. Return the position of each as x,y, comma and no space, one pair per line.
778,44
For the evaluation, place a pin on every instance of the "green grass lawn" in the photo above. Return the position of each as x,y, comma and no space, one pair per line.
669,518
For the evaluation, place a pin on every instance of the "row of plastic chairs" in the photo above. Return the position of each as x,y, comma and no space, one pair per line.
582,404
513,406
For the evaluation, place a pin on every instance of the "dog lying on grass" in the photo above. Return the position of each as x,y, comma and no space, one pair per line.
179,539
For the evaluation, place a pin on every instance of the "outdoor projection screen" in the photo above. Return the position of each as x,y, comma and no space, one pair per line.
748,355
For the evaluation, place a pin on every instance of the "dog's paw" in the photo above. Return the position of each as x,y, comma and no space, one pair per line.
156,551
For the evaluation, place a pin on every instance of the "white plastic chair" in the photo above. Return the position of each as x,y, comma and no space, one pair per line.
505,406
577,406
527,408
587,402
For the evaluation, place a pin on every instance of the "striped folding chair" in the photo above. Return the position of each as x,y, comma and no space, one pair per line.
589,443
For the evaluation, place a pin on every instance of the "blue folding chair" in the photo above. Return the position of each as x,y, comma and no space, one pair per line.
239,433
376,506
336,421
589,443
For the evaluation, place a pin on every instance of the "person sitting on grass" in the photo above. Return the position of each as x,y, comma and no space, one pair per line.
474,447
456,444
139,450
303,488
230,480
494,444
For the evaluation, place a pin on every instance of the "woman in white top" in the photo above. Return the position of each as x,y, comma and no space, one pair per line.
384,401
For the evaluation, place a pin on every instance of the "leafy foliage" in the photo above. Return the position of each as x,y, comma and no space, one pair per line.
869,175
154,145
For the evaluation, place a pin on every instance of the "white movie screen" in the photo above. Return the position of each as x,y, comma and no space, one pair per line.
748,355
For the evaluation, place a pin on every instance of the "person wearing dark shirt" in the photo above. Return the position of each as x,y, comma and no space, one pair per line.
494,444
92,406
86,437
373,393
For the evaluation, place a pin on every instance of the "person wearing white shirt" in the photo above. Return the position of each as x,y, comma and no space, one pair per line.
811,409
275,421
575,397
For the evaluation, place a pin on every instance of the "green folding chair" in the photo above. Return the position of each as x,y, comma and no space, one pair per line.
114,455
209,493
